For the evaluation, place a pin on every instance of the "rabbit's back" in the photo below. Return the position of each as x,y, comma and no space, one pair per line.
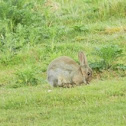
63,62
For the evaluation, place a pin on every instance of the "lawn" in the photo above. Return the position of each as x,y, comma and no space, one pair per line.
33,33
100,103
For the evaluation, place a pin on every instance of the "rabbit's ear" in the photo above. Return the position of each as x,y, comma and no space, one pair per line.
82,58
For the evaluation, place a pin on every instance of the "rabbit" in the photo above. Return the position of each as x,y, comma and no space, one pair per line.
64,71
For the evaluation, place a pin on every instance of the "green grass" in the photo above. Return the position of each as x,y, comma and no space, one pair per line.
101,103
32,34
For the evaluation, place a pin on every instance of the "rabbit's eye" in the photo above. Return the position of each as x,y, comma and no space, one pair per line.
88,74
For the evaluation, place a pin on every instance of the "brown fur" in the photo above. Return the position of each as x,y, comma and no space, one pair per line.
64,71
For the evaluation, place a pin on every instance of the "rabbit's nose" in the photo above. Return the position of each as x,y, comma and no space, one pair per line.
87,81
84,81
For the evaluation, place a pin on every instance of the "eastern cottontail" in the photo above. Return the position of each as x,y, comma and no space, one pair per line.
64,71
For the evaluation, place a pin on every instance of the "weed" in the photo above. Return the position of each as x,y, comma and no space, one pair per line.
27,76
108,54
20,25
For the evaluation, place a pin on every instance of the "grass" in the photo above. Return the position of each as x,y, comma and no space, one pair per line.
101,103
32,34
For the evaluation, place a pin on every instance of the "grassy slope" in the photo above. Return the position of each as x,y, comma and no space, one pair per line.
73,26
